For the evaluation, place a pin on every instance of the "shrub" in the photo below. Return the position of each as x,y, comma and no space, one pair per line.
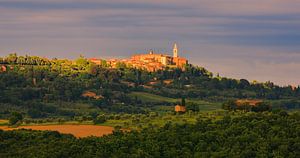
99,119
15,118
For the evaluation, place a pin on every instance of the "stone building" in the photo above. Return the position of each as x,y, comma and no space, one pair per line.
180,109
151,61
2,68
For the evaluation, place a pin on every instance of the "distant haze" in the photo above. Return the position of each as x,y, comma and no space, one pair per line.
256,40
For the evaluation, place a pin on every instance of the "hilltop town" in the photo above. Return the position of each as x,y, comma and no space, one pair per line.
150,62
81,98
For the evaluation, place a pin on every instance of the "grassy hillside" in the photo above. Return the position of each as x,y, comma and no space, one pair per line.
40,88
152,98
147,97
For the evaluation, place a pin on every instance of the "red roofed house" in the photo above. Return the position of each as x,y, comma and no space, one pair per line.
3,68
180,108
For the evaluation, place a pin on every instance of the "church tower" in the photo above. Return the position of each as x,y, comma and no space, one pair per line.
175,51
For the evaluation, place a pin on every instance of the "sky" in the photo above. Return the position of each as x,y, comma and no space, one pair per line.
251,39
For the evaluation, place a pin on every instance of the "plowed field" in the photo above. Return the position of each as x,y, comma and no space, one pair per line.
76,130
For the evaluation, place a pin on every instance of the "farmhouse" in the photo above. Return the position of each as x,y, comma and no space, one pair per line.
2,68
89,94
180,109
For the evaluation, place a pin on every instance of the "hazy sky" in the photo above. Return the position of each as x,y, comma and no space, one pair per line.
252,39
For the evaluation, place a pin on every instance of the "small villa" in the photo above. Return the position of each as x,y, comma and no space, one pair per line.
2,68
180,108
89,94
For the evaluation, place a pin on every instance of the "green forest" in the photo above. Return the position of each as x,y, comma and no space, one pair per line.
247,135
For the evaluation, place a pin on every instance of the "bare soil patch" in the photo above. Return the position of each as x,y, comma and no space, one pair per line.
76,130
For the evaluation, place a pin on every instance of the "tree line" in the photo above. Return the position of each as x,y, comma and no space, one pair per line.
247,135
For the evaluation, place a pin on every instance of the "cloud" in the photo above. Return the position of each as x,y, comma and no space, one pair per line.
227,36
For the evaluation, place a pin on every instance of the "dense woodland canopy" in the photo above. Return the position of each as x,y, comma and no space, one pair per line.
248,135
40,87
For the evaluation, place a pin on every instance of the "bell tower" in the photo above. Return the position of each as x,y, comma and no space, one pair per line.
175,51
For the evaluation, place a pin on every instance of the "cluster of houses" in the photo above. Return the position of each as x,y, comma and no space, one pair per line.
150,62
